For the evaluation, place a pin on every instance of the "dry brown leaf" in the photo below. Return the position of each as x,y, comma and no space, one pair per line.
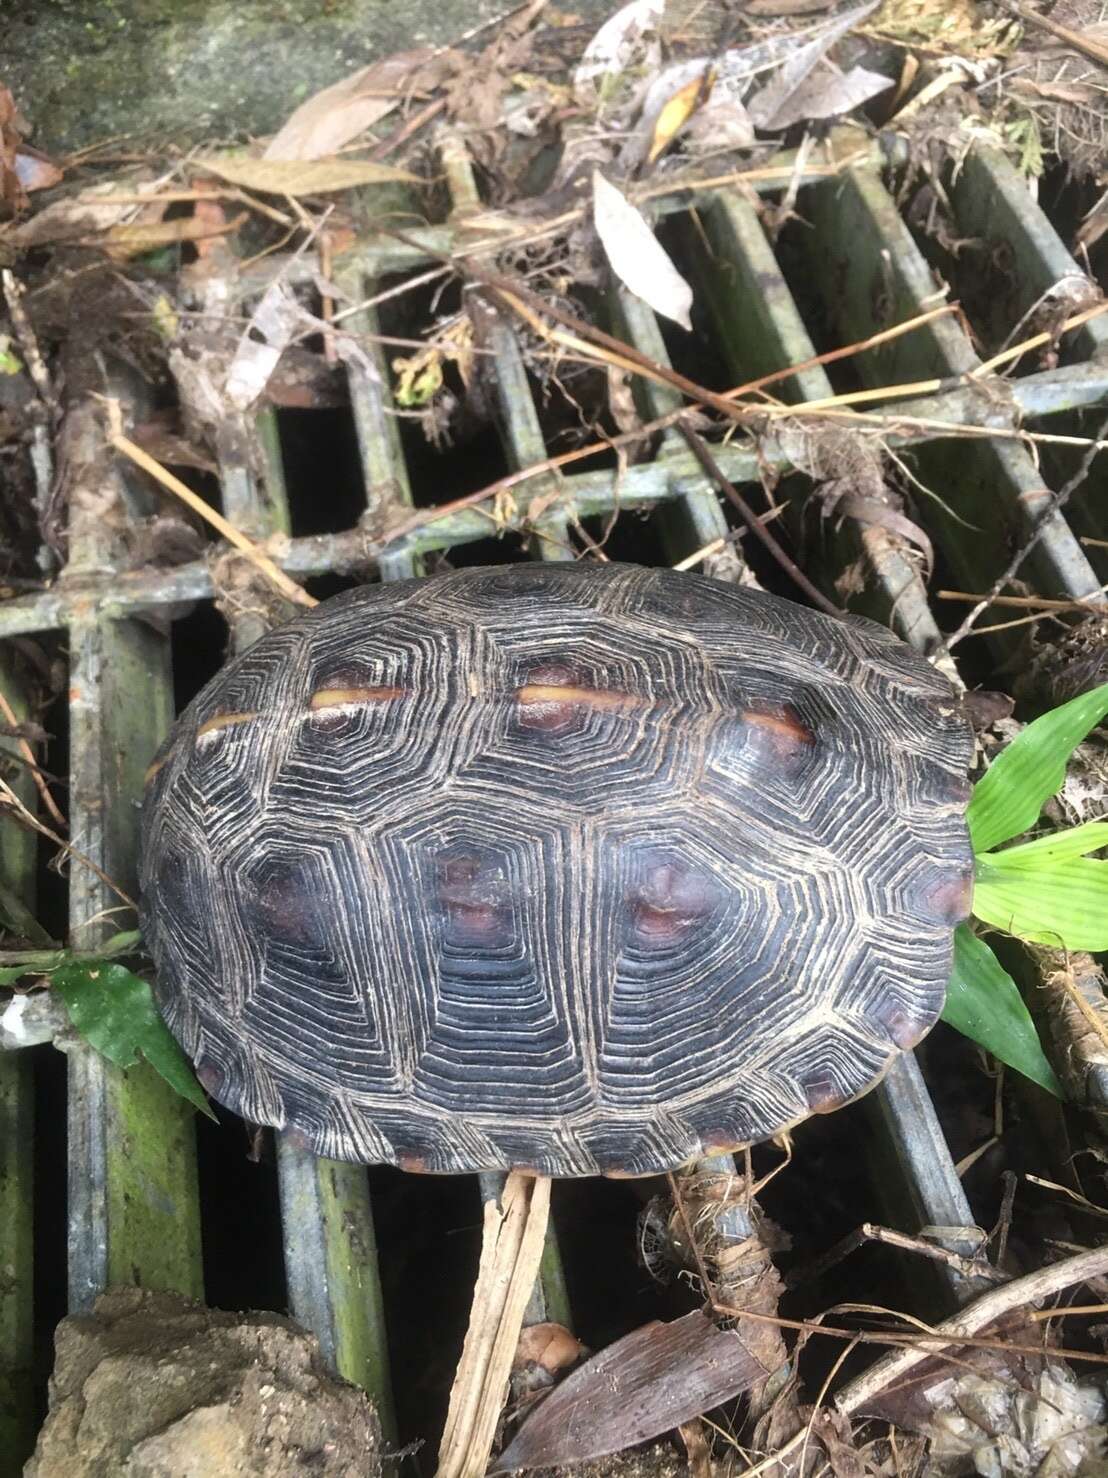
35,171
73,219
635,254
325,122
647,1383
122,242
301,176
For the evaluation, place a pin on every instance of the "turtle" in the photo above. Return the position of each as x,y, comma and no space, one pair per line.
567,868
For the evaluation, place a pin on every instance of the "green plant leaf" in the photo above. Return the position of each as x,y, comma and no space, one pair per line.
1065,906
113,1009
1009,796
1059,846
983,1003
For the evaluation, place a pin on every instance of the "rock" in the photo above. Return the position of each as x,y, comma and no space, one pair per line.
152,1385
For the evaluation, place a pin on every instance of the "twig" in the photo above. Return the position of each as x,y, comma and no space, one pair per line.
1089,47
271,571
754,523
9,797
511,1250
1056,503
417,121
968,1267
36,367
29,755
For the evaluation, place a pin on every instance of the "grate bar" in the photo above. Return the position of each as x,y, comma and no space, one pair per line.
873,274
133,1212
17,1248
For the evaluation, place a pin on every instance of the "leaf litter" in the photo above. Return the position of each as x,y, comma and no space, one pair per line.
662,96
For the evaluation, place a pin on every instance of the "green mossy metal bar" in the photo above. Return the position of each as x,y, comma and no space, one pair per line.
133,1212
17,882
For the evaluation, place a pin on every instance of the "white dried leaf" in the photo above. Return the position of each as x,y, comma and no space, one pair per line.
775,97
628,38
635,254
272,326
827,94
722,123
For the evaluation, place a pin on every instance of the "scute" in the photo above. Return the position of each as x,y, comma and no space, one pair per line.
574,868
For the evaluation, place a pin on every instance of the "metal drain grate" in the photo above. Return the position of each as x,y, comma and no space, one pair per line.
134,1213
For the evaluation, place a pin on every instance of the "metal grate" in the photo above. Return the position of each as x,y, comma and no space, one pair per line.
133,1209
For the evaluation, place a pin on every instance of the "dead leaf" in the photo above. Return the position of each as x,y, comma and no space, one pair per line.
13,195
826,94
35,171
75,218
325,122
124,242
647,1383
722,123
627,39
635,254
776,96
301,176
272,326
677,112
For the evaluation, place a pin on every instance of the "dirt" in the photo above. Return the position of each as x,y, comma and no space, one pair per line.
152,1385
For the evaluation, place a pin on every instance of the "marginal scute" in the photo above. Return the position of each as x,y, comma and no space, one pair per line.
585,869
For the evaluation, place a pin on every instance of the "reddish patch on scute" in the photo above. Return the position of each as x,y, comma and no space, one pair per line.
413,1164
902,1027
950,899
821,1093
210,1077
474,900
297,1139
958,788
782,734
670,900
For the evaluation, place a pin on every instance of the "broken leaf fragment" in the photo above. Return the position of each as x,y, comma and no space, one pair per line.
300,176
114,1010
646,1383
636,256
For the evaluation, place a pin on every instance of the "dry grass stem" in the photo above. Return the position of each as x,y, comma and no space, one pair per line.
272,572
9,798
29,755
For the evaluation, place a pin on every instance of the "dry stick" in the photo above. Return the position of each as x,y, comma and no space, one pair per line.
29,755
795,573
511,1251
13,295
1038,601
1055,505
271,571
8,797
1084,44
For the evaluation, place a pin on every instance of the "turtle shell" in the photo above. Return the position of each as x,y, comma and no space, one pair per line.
574,868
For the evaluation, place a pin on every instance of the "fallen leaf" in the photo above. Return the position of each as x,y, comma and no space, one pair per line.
271,329
827,94
776,96
677,112
331,118
301,176
75,218
636,256
722,123
628,38
35,171
123,242
647,1383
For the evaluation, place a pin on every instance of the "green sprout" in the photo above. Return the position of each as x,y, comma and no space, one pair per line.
1048,891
